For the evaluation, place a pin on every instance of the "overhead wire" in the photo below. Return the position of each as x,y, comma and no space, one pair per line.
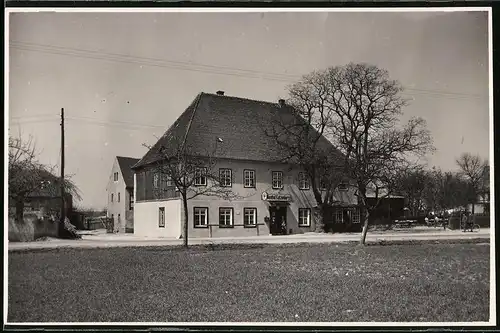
197,67
180,65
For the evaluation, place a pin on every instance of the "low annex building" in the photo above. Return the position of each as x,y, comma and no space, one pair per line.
276,198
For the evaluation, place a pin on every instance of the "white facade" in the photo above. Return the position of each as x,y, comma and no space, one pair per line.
147,217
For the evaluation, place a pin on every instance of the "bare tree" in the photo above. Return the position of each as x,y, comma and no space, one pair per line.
190,174
23,167
412,185
445,190
357,107
299,133
28,176
475,171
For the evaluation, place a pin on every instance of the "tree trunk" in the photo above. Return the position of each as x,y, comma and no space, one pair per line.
319,219
19,210
366,215
185,222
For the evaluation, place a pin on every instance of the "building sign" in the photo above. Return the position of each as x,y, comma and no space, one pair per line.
276,197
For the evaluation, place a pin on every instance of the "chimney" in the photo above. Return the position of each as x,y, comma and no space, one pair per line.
282,102
220,93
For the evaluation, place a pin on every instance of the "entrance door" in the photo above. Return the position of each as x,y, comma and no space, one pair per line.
278,220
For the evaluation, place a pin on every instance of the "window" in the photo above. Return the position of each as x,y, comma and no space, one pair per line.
112,197
249,178
277,179
339,216
155,180
166,180
322,184
225,217
131,201
342,187
200,178
225,177
356,218
118,197
200,217
304,217
161,217
249,217
303,181
115,176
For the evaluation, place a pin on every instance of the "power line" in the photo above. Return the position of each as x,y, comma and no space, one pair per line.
34,116
136,127
151,64
180,65
114,121
176,62
30,121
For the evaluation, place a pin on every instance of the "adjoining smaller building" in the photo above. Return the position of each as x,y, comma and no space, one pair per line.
120,192
390,208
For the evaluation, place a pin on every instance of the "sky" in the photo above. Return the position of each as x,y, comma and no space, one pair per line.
123,78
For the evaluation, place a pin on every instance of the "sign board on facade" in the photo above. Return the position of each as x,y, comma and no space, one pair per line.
276,197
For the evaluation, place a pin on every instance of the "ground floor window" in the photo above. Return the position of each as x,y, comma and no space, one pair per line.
161,217
347,215
225,217
200,217
339,215
304,217
250,217
356,218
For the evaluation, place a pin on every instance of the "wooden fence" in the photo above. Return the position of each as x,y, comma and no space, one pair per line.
94,223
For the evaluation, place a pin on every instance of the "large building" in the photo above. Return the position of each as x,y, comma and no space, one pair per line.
274,197
120,188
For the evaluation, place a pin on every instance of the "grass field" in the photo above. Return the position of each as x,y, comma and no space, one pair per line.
427,282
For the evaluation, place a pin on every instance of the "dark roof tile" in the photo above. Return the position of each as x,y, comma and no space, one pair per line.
125,164
239,122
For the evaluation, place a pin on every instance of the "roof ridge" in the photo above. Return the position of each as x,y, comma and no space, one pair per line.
242,98
198,99
132,158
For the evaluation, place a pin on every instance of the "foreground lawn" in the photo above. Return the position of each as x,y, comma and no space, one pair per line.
447,282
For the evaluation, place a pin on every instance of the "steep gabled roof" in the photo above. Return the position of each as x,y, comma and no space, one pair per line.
125,164
239,122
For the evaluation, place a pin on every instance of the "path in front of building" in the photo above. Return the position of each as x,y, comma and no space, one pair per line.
100,239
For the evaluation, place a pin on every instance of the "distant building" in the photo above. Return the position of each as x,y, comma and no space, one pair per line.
120,190
482,206
276,197
48,201
46,198
390,207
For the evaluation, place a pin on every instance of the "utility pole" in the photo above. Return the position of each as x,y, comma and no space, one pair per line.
63,210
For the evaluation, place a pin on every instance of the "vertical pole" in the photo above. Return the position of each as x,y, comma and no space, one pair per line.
63,210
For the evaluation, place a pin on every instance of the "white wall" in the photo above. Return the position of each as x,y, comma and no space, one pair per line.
116,208
146,218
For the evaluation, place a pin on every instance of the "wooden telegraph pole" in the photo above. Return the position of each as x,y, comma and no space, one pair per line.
63,210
